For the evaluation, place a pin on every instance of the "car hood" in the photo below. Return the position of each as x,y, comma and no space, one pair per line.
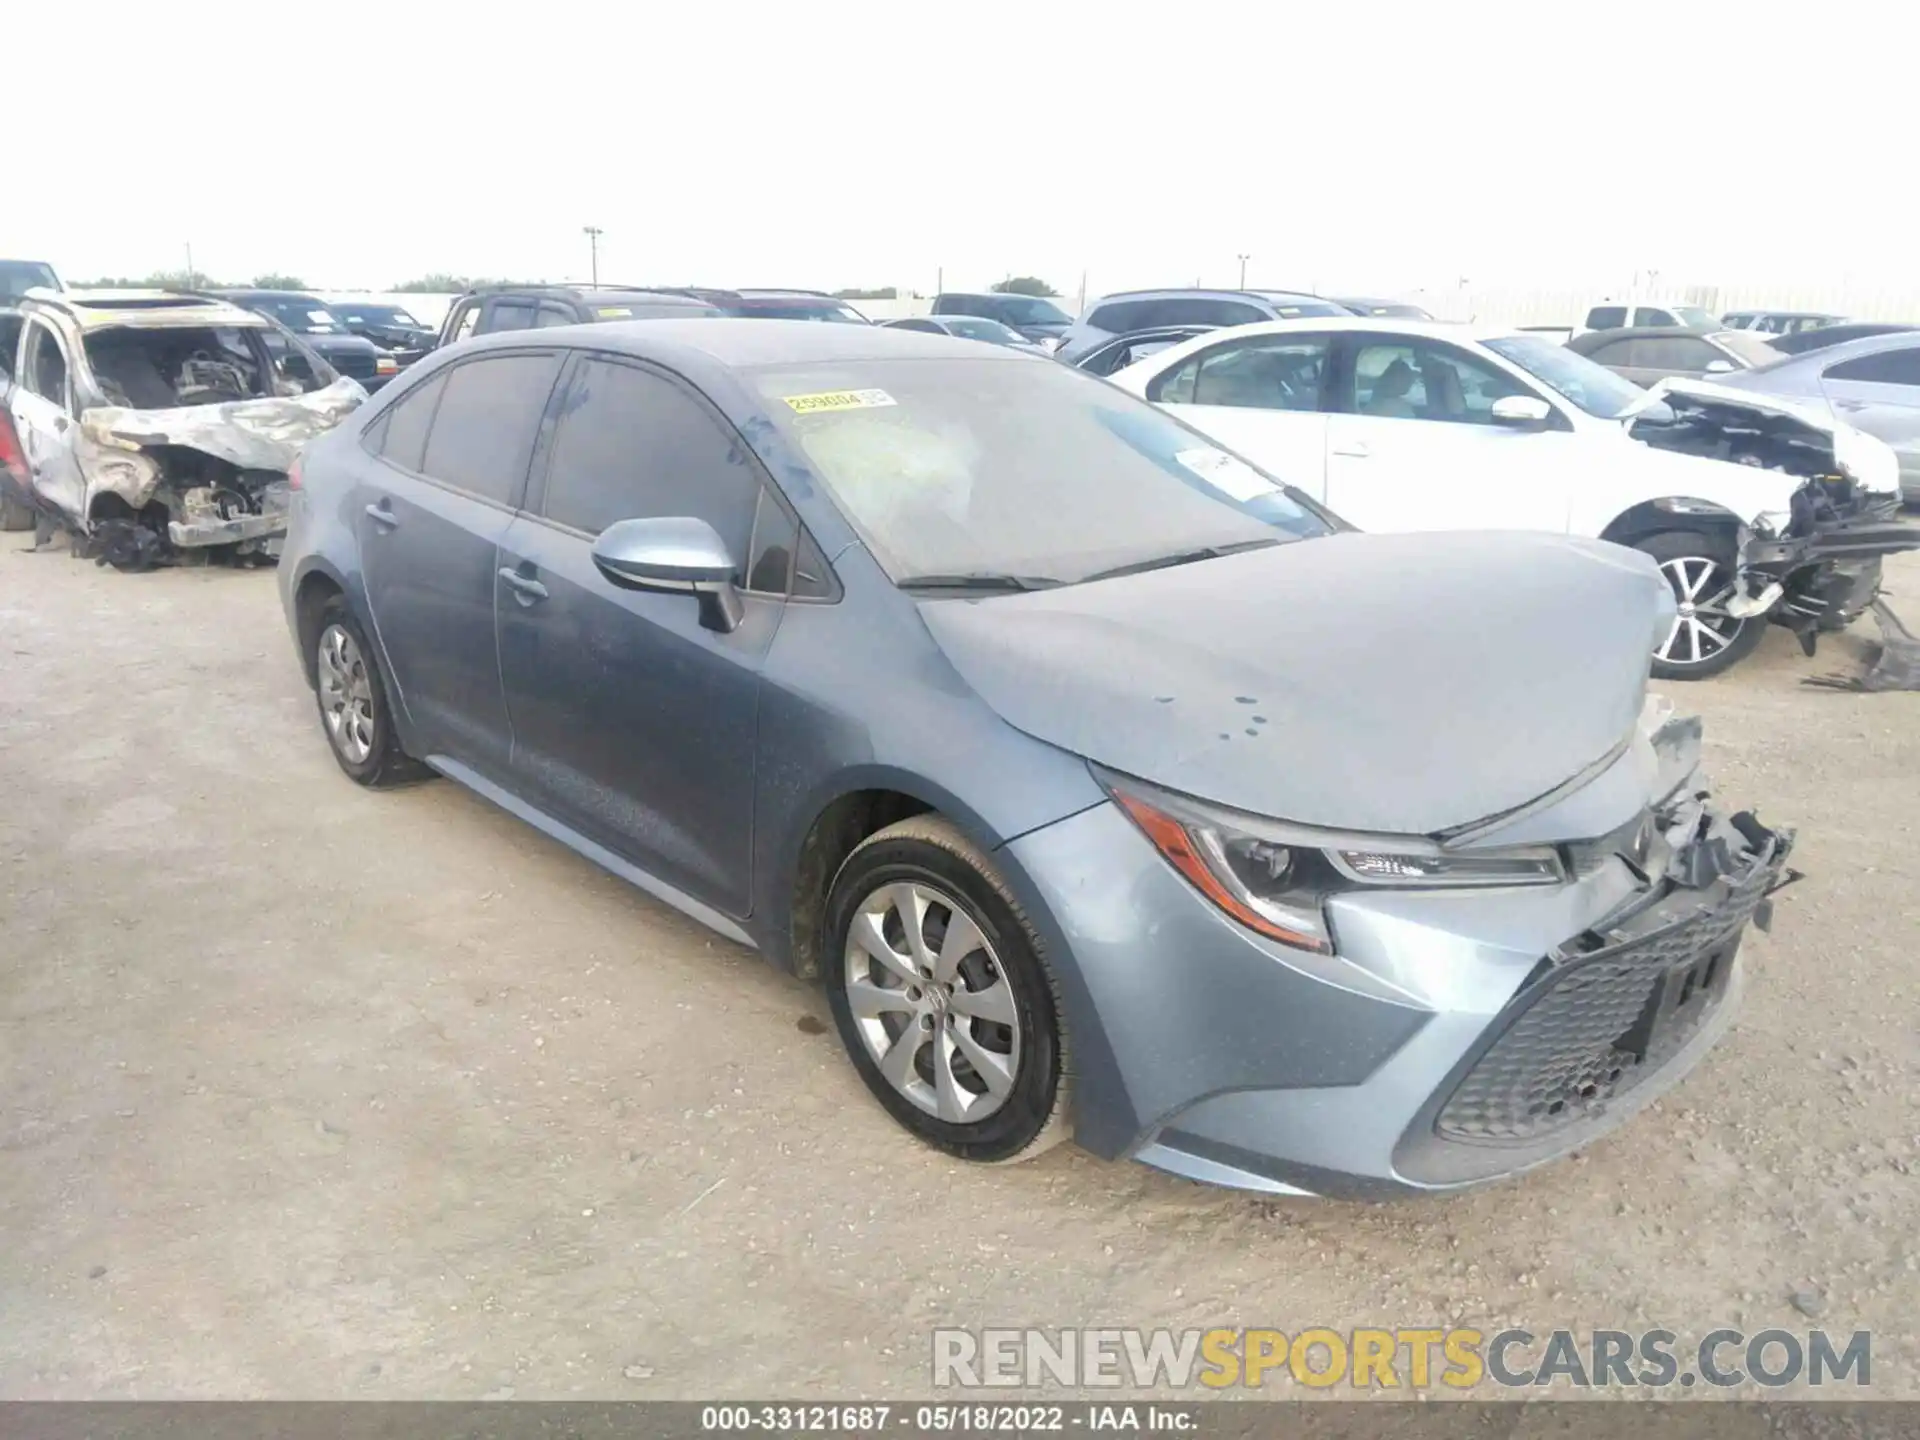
1405,684
1868,460
264,434
334,344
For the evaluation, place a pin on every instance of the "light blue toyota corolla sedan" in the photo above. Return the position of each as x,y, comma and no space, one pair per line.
1108,787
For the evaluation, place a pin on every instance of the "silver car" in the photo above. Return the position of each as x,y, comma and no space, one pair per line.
1872,384
1106,785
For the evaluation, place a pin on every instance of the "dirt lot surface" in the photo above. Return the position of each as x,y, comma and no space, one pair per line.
311,1092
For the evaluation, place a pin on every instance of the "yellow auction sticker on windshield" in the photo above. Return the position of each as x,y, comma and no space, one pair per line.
614,312
837,400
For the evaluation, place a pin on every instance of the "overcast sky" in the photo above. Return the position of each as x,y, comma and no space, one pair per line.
1371,146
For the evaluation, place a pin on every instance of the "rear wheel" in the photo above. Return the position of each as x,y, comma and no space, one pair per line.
354,710
941,996
1703,639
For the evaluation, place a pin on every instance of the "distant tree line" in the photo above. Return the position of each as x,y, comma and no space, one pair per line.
189,280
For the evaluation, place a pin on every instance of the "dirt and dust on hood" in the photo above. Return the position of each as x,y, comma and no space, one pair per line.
260,434
1405,684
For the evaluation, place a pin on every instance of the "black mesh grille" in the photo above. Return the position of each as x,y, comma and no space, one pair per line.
1601,1022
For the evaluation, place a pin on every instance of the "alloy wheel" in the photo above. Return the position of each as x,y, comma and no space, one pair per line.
931,1002
1702,628
346,695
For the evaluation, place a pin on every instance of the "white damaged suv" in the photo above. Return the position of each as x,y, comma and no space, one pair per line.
1755,510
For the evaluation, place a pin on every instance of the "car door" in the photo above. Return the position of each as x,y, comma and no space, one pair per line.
1261,396
41,403
1413,445
452,465
633,723
1880,394
1619,355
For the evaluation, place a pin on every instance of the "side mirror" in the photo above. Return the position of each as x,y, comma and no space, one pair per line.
675,554
1523,412
1719,367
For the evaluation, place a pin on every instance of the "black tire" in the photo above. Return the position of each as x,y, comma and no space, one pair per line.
15,515
384,764
1682,554
1032,1114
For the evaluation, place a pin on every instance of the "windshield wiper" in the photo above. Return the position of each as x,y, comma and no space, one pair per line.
1181,557
979,581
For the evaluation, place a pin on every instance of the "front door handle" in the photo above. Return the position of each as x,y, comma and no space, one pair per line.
383,515
1353,449
526,589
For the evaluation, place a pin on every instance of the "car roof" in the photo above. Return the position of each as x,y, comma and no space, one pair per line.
1202,290
250,294
1863,345
747,344
589,292
1653,332
144,309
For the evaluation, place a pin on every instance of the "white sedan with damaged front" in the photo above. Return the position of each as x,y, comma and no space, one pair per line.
1753,510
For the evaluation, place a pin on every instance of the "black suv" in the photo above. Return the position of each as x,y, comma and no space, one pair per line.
314,321
531,307
1034,316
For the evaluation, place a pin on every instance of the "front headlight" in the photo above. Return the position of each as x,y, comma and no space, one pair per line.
1275,878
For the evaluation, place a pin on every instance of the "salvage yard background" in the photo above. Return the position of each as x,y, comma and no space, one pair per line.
321,1093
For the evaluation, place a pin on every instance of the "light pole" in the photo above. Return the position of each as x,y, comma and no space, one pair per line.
1243,270
593,234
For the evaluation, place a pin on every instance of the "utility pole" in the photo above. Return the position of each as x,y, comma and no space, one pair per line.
191,278
593,234
1243,270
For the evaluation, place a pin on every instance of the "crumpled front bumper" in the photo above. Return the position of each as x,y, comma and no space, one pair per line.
1824,574
269,525
1454,1037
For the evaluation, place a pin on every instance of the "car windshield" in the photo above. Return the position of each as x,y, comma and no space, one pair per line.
1693,317
379,315
1595,389
19,276
971,328
301,314
831,311
1030,310
1754,349
1004,466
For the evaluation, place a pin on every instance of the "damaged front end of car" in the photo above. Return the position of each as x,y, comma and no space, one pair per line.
1816,567
163,486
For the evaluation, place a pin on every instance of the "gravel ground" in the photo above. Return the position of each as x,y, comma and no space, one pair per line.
311,1092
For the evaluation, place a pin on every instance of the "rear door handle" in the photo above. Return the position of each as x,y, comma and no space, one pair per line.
1353,449
385,516
526,590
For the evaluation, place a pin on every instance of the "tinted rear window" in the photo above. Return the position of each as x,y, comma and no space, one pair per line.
483,432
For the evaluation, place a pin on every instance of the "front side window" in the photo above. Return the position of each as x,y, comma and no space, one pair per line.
1412,380
1274,372
632,445
1889,367
997,467
46,368
1575,378
506,315
1120,317
1644,316
1606,317
406,422
19,276
483,429
468,321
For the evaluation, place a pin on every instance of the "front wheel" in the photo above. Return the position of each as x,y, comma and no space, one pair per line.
1703,639
941,996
